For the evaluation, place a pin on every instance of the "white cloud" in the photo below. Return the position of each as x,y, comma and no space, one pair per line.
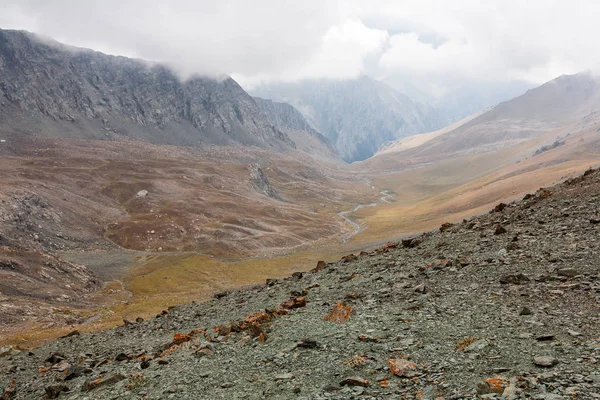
440,40
340,55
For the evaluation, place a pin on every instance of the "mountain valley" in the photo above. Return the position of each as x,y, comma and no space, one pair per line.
152,227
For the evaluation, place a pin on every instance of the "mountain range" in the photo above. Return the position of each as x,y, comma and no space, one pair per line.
80,93
357,116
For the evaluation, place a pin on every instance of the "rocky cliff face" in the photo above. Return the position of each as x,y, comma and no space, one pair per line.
49,84
357,116
291,121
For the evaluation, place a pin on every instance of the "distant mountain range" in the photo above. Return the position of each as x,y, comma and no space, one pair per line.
565,105
290,121
357,116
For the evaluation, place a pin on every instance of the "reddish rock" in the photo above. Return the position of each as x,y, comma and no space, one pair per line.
493,385
445,226
500,207
321,265
294,302
403,368
339,314
410,243
349,258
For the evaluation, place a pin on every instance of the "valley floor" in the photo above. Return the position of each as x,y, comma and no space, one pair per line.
502,305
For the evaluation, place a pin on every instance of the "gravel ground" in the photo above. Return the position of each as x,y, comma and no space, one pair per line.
504,305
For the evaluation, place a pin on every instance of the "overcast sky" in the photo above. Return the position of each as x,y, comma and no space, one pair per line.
271,40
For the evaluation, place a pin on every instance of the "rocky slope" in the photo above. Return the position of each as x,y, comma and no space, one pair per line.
54,90
564,107
289,120
504,305
357,116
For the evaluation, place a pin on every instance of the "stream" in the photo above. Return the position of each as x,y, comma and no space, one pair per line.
385,196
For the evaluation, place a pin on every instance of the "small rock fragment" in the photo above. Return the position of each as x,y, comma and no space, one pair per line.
403,368
284,377
52,392
307,344
568,272
492,385
545,337
499,230
514,279
545,361
525,311
354,381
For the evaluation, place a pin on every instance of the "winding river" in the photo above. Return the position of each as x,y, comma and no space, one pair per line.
385,196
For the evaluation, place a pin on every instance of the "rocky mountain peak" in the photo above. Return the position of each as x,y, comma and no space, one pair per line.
45,80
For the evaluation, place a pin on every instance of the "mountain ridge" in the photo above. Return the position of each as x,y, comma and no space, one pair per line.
50,84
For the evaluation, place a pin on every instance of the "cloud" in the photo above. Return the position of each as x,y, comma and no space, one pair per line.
436,41
341,54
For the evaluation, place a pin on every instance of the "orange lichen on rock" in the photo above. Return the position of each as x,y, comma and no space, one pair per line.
464,343
497,385
357,361
262,337
493,385
180,338
339,314
403,368
294,302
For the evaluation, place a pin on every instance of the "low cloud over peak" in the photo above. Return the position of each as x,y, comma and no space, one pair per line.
434,41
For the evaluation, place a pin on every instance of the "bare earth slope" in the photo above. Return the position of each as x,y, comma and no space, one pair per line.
503,305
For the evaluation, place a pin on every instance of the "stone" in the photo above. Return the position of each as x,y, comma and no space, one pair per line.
525,311
53,391
90,385
354,381
321,265
420,288
294,302
141,193
514,279
545,361
500,207
492,385
410,243
544,338
7,351
307,344
445,226
122,357
284,377
477,345
403,368
499,230
568,272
